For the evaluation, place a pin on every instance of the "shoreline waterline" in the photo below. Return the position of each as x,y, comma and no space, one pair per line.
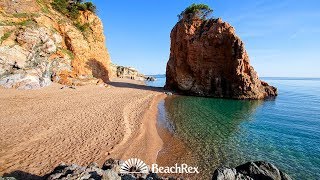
226,132
174,150
145,143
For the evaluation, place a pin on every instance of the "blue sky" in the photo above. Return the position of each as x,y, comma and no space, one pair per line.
281,37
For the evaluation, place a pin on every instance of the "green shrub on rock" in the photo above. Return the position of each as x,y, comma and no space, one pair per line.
61,6
201,11
72,8
82,27
91,7
5,36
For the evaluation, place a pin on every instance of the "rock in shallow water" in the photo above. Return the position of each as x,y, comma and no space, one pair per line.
207,58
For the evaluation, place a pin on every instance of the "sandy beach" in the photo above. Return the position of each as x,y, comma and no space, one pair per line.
40,129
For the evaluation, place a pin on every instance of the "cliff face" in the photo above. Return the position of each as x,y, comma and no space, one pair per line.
207,58
129,73
39,45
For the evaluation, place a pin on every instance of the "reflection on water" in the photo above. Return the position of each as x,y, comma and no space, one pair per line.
212,132
207,127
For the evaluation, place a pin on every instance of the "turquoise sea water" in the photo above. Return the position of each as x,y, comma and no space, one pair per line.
284,131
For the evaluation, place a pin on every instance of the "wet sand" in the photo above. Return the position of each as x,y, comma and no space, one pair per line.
174,150
40,129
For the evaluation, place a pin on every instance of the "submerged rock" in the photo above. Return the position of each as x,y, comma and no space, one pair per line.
207,58
258,170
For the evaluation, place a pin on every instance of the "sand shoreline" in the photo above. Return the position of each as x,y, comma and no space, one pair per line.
40,129
145,143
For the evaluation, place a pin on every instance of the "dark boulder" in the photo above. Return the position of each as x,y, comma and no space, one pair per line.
258,170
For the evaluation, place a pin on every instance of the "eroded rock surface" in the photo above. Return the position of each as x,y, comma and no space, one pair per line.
39,46
78,172
207,58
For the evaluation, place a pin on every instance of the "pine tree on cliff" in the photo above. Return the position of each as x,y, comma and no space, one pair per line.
72,8
201,11
207,58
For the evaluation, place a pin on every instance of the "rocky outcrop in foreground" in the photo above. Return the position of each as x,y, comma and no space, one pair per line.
110,171
39,45
77,172
250,171
207,58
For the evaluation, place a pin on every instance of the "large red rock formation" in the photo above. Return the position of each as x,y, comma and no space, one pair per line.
207,58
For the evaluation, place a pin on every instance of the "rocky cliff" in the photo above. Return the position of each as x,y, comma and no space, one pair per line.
207,58
39,45
129,73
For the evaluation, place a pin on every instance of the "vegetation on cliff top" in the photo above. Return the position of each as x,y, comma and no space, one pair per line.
201,11
72,8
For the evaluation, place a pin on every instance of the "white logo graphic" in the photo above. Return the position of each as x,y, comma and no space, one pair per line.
183,168
134,166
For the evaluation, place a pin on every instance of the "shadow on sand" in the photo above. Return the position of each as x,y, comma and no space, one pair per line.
100,71
23,175
135,86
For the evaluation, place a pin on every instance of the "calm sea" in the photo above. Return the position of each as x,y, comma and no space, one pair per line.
284,131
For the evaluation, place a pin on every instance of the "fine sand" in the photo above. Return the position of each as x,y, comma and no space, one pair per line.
40,129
